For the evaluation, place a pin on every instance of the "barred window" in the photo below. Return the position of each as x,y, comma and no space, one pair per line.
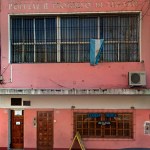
104,125
67,38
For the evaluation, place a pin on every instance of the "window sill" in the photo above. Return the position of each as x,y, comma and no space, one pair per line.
107,139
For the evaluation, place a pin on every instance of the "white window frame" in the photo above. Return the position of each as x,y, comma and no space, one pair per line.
59,33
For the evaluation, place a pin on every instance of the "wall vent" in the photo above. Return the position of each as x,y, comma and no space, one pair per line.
26,103
137,78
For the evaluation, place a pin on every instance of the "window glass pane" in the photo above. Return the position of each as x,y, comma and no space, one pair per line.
29,53
39,30
17,53
28,30
16,32
69,53
110,28
88,28
51,32
129,52
51,52
110,52
84,54
69,29
129,27
85,132
40,53
79,124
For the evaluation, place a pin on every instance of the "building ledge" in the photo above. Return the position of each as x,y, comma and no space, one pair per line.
6,91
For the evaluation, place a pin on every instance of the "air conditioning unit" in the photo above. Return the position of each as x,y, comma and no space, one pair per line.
137,78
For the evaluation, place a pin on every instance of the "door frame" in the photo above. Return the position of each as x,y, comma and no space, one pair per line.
52,126
10,126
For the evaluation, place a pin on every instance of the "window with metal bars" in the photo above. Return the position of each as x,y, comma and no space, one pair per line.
104,125
67,38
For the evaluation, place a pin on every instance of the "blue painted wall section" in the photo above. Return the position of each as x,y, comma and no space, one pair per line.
96,48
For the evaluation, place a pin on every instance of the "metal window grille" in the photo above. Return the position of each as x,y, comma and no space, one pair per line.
67,38
104,125
33,40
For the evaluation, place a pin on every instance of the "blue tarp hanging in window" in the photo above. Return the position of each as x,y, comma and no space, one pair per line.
96,48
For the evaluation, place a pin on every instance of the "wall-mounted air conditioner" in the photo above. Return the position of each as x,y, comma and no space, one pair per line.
137,78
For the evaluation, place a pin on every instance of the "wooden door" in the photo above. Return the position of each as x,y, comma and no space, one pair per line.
44,130
17,134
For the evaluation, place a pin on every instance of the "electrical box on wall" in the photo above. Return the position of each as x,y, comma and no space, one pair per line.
137,78
147,127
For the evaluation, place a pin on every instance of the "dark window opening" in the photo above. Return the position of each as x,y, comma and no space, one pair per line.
16,101
26,103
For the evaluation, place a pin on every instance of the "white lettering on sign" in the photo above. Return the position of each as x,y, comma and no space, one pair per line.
72,5
99,5
28,6
45,4
123,3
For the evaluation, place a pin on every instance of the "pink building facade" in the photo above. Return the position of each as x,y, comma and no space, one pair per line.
50,90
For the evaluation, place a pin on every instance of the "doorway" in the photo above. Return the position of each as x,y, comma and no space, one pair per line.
45,130
17,129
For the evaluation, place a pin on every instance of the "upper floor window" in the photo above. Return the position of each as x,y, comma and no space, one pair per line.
67,38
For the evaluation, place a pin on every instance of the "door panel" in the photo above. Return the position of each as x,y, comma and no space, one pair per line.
17,135
45,130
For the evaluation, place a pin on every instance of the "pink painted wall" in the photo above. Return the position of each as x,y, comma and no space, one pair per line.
71,75
3,127
29,129
63,130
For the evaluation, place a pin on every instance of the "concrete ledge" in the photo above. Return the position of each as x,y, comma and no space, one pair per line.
9,91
